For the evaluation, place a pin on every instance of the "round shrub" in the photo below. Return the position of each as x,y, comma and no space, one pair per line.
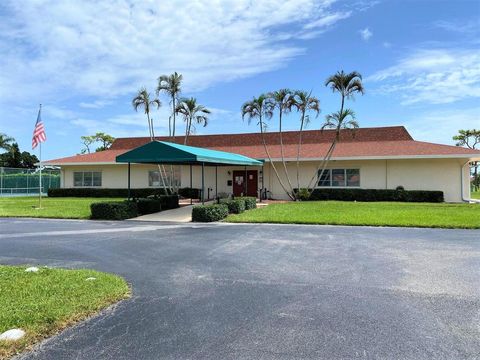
235,206
209,213
250,202
148,206
116,210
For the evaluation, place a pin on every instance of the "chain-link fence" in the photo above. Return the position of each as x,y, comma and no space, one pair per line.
23,182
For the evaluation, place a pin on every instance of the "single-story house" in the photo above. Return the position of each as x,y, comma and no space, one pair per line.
369,158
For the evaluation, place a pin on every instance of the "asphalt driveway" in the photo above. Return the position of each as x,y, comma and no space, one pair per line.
264,291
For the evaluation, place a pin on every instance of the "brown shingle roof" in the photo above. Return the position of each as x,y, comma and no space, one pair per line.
383,142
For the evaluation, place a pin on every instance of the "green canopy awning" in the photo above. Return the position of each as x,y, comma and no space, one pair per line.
162,152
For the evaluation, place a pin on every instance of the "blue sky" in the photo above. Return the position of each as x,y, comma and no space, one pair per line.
85,60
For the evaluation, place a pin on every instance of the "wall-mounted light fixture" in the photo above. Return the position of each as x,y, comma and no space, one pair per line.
229,173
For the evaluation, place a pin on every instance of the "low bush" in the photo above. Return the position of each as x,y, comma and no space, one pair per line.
235,206
118,210
250,202
209,213
149,206
190,193
104,192
168,202
376,195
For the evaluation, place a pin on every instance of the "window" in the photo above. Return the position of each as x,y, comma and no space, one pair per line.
339,178
171,178
87,178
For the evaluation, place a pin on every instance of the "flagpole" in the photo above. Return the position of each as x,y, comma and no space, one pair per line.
40,173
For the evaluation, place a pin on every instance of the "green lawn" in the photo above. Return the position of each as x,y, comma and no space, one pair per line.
47,301
55,207
366,213
475,194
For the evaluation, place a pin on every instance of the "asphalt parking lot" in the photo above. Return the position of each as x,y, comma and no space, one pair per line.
264,291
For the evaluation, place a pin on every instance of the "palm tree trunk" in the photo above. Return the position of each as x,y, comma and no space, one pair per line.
173,112
324,163
150,129
271,162
283,156
298,151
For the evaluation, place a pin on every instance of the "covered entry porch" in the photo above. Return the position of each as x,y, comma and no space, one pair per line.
199,163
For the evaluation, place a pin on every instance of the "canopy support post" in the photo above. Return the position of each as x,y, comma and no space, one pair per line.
245,184
203,183
216,182
191,186
128,181
263,183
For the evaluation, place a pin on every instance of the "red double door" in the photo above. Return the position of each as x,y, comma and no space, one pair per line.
248,186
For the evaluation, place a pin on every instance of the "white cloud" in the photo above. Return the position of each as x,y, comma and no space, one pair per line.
463,27
366,34
440,126
386,44
60,49
433,76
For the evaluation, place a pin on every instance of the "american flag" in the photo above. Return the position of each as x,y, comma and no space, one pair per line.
39,135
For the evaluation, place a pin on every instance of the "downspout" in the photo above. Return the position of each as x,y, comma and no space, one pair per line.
461,181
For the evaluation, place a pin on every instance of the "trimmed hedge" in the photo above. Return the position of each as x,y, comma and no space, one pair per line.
118,210
104,192
376,195
149,206
209,213
236,206
250,202
190,193
168,202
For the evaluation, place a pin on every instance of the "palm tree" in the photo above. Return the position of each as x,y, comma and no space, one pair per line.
6,142
191,111
283,100
143,100
346,84
171,86
340,120
261,108
304,102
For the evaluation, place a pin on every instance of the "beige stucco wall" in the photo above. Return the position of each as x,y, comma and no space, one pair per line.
414,174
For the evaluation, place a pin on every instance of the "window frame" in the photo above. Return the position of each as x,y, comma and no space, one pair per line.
176,183
330,186
92,177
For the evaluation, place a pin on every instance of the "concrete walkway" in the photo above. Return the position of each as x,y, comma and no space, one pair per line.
181,214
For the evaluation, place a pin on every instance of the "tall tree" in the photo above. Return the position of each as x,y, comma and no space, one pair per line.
283,100
87,141
105,140
261,109
6,141
192,112
304,103
143,100
347,85
15,159
338,121
470,139
171,86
